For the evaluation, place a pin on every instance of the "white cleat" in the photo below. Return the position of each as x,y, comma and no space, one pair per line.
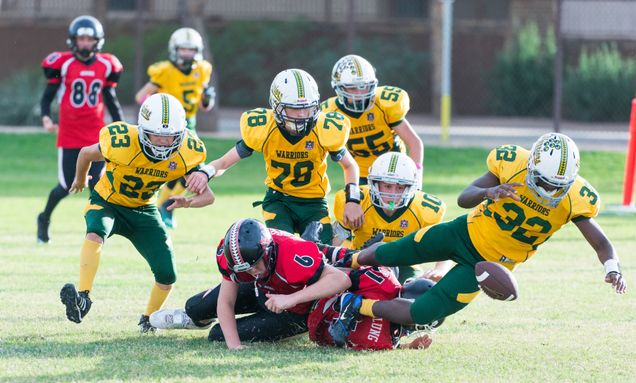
173,319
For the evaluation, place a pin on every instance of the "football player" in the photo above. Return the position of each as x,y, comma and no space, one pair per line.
392,205
295,139
84,79
185,76
139,159
270,274
372,333
377,115
519,203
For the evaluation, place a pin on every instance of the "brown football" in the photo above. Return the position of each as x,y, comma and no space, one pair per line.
496,281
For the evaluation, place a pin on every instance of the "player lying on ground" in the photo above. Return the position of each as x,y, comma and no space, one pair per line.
295,139
372,333
268,273
521,201
139,159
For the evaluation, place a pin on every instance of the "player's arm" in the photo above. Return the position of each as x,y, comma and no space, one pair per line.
112,103
198,181
145,92
198,200
413,142
330,282
605,251
45,107
353,216
86,156
225,311
486,186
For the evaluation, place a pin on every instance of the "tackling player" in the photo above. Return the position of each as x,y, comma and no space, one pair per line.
392,205
270,274
519,203
377,115
139,159
84,80
295,139
186,76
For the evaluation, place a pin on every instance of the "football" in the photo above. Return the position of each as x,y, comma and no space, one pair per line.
496,281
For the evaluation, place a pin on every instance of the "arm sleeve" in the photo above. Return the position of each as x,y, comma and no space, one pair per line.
112,103
337,156
47,98
243,150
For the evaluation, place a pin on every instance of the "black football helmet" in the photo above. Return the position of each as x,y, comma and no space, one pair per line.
85,26
247,242
413,289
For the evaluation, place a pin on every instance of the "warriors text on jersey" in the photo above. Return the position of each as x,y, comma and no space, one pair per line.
187,88
509,231
131,178
299,263
372,131
295,166
80,94
423,210
368,333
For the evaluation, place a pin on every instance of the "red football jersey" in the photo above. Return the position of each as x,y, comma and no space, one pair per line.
368,333
299,263
80,94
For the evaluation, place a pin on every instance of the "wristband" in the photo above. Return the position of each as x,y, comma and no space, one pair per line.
209,171
612,266
352,193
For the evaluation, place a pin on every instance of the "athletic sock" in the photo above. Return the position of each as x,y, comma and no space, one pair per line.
367,307
89,262
157,299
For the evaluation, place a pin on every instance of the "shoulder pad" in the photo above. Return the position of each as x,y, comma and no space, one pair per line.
193,150
394,102
113,60
586,201
256,125
55,60
118,142
431,208
333,130
507,160
157,70
329,105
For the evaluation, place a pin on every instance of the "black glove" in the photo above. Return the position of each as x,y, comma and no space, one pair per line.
378,237
346,259
312,232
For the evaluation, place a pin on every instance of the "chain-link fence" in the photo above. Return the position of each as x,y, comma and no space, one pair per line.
504,51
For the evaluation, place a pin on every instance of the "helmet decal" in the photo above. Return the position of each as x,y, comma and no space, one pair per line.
393,163
357,67
165,111
564,157
235,250
299,84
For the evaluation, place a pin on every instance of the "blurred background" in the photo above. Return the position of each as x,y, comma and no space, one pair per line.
544,64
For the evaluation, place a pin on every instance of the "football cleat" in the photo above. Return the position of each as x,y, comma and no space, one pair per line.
166,216
77,304
172,319
144,325
43,228
349,312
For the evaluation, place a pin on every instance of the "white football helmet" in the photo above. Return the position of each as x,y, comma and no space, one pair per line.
161,115
295,89
185,38
354,72
552,168
392,168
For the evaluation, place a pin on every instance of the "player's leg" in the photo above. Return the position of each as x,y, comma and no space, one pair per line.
264,326
66,160
276,213
311,211
100,223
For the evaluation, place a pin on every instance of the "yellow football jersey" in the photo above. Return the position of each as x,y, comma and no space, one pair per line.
187,88
423,210
131,178
509,232
297,168
372,131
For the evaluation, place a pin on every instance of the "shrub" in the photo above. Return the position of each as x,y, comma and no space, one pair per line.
20,98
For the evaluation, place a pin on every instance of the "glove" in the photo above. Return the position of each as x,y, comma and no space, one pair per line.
312,232
346,259
209,97
379,237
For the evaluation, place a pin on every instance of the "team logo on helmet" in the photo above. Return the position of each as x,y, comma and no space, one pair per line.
145,112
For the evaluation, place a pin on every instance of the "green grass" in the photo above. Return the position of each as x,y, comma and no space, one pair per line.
567,324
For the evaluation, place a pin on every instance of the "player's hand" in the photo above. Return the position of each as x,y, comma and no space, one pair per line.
422,342
503,191
346,259
238,348
353,216
49,125
179,201
209,97
433,274
378,237
79,185
618,282
277,303
196,182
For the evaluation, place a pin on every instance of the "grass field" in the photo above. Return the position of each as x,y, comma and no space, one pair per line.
567,324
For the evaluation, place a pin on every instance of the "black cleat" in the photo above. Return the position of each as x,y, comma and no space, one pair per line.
43,228
349,312
144,325
77,304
